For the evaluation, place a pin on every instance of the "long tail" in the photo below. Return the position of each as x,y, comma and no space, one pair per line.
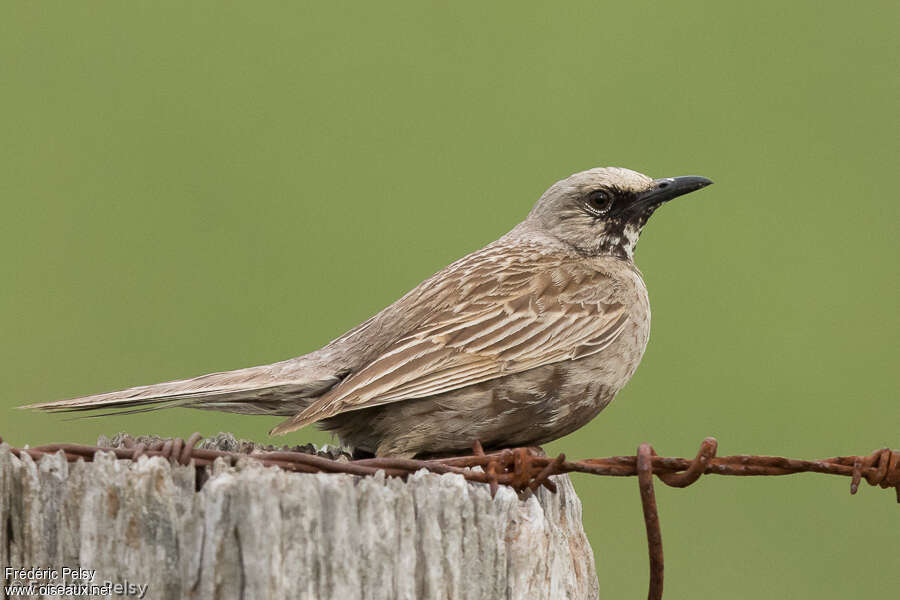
279,389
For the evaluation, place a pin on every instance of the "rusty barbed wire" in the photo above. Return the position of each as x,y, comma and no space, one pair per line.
522,469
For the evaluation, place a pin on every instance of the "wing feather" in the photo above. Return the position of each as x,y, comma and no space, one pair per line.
489,325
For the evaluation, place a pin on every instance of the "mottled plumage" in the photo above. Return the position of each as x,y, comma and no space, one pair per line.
518,343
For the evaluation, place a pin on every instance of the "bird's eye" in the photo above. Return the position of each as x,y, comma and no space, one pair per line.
599,202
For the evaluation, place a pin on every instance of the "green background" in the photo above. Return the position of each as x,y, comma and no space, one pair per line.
197,187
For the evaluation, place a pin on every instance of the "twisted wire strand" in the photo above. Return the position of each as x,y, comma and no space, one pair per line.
524,470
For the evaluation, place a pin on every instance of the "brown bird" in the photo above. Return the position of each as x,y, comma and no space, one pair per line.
519,343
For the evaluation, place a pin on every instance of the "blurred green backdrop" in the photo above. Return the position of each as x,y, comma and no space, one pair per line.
196,187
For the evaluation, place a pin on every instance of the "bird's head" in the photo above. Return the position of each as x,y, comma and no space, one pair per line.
602,211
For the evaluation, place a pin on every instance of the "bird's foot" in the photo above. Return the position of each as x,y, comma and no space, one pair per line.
478,450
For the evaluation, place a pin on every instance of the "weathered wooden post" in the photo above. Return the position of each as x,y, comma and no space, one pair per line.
259,532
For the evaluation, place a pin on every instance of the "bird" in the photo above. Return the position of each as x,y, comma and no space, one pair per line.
516,344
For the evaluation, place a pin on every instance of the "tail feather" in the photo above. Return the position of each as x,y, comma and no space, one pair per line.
269,389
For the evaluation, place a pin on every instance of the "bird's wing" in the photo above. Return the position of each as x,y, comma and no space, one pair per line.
501,323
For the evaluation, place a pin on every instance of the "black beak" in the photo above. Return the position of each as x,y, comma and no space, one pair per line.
664,190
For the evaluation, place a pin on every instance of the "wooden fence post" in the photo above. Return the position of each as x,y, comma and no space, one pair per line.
256,533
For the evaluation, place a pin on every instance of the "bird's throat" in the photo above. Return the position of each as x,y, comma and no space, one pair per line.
619,241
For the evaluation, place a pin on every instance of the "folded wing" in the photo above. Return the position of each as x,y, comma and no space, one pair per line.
499,326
